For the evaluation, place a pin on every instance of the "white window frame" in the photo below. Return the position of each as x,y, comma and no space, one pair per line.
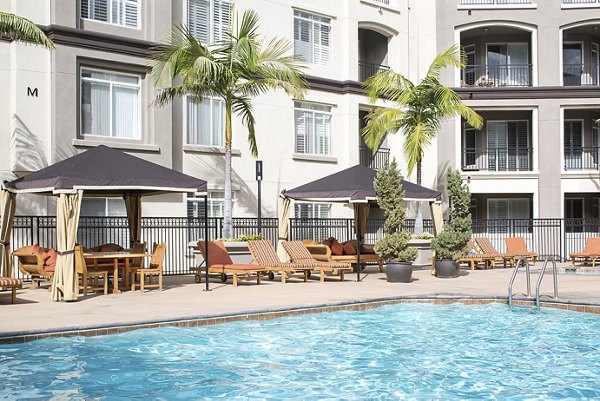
186,133
211,21
212,201
106,203
315,206
315,19
138,86
109,7
300,106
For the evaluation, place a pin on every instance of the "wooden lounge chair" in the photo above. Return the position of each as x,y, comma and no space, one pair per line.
32,264
591,252
518,247
475,257
90,278
322,252
300,254
487,249
154,269
264,255
221,263
13,284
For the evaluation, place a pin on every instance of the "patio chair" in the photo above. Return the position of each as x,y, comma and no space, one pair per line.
32,264
475,257
487,249
264,255
322,252
154,269
590,253
300,254
221,263
13,284
518,247
89,278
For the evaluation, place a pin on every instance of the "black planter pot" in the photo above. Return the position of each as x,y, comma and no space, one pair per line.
446,268
400,272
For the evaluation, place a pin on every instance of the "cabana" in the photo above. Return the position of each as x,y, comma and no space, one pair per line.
101,172
353,185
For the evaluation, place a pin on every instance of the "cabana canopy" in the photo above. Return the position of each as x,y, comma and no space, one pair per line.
100,171
353,185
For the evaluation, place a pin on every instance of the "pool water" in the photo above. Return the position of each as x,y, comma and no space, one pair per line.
404,351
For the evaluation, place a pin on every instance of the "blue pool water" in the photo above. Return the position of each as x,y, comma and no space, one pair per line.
405,351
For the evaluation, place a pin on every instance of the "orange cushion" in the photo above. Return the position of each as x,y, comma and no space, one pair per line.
336,248
50,258
327,242
37,250
349,249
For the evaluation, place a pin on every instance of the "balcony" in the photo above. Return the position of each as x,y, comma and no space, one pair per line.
497,159
367,70
581,74
492,2
376,161
581,158
581,1
497,75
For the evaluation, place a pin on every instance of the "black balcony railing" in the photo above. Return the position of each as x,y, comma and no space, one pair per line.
377,160
496,75
491,2
366,70
497,159
581,158
581,74
580,1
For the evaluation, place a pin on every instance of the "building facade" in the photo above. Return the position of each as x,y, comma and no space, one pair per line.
532,72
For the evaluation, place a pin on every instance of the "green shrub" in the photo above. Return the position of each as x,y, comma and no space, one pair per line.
423,236
394,248
243,238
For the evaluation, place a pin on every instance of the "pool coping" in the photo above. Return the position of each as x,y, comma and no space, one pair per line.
267,314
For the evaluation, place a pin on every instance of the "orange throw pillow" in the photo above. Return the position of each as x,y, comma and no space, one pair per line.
50,258
37,251
336,248
349,249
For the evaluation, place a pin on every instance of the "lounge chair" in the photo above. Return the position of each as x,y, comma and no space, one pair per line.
155,269
591,252
487,249
300,254
518,247
90,278
13,284
264,255
475,257
32,264
221,263
322,252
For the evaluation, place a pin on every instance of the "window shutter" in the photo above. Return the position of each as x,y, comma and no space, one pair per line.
303,40
518,209
85,8
301,134
131,13
99,10
321,44
198,19
221,18
497,209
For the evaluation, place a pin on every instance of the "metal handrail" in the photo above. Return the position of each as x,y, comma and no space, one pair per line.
514,275
539,282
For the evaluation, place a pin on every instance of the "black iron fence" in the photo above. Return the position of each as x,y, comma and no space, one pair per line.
581,158
496,75
581,74
367,70
497,159
375,161
548,237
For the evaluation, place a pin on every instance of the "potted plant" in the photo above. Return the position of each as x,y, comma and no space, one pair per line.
393,248
452,242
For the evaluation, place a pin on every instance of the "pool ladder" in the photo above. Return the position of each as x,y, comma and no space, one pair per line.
524,261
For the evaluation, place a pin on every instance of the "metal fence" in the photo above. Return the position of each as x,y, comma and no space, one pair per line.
548,237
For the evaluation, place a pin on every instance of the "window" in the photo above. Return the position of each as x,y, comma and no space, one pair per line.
110,104
508,63
216,205
502,210
206,122
306,227
508,146
117,12
312,128
573,143
574,215
469,147
312,210
311,37
99,207
209,20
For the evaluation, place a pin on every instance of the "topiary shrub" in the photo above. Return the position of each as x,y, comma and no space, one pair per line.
452,242
390,194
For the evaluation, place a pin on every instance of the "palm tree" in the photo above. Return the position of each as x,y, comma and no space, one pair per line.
23,29
235,70
419,110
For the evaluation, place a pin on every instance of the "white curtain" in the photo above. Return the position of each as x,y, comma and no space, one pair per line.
126,119
99,109
7,210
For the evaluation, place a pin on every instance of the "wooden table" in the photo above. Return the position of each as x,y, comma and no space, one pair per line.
116,256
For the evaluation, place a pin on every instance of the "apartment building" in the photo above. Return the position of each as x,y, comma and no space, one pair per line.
533,74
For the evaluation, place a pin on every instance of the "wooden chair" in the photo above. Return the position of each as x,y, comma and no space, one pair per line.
154,269
590,253
300,254
13,284
134,263
264,255
518,247
32,264
475,257
486,247
89,278
322,252
221,263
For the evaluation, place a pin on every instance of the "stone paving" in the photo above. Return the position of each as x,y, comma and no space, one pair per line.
34,312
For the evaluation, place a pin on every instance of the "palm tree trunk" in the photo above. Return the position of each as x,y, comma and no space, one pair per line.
227,218
418,213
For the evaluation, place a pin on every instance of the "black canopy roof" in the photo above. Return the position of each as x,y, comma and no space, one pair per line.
355,184
106,171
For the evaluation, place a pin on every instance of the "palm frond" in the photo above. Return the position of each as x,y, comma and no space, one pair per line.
388,85
243,107
416,140
451,57
380,122
23,29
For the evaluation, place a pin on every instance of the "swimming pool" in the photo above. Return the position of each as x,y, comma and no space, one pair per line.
409,351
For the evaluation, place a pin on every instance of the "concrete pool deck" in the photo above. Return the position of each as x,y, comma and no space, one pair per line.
181,299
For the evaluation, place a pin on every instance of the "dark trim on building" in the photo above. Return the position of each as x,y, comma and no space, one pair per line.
541,92
81,38
333,86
